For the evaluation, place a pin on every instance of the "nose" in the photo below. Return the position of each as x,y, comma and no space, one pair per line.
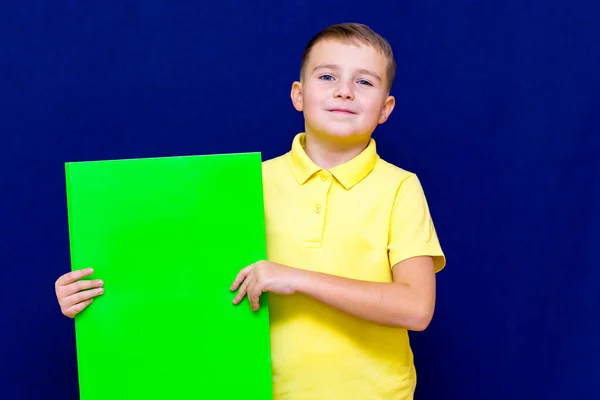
343,91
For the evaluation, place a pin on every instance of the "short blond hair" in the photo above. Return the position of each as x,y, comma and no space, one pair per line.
354,33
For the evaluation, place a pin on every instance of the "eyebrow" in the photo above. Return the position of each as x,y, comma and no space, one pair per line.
360,71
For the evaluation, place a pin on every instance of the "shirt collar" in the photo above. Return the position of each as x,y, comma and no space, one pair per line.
348,174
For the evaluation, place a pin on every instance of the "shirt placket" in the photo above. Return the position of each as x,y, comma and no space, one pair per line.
319,202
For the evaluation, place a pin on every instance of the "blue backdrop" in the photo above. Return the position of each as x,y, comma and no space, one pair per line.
498,112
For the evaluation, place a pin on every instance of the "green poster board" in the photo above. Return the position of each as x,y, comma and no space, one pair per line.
168,236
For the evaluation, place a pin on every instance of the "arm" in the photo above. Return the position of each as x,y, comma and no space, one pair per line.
407,302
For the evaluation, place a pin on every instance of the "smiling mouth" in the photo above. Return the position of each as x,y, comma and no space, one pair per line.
341,111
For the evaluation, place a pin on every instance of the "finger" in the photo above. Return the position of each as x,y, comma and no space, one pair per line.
254,292
240,278
240,295
77,308
79,297
79,286
72,276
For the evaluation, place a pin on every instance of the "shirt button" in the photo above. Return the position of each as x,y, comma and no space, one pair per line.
318,208
324,177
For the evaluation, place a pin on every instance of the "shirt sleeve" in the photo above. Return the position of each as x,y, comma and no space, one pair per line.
412,232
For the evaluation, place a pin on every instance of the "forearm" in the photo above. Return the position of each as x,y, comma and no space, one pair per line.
391,304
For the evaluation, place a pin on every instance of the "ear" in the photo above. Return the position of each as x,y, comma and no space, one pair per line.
386,110
296,95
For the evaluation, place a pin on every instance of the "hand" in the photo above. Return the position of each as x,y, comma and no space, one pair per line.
263,276
73,294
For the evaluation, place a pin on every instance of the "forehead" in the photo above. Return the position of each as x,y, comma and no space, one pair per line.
351,55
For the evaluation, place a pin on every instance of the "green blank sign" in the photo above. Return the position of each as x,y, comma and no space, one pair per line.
168,236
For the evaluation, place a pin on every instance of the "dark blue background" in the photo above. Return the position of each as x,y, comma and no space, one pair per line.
498,113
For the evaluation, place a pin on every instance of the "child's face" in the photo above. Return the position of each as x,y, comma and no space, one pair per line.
343,91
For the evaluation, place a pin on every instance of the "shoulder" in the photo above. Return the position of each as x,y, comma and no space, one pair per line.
272,165
276,170
393,175
403,187
274,162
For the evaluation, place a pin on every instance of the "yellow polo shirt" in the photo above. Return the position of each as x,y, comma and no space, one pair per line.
356,220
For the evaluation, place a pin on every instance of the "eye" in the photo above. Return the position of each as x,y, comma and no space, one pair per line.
364,82
326,77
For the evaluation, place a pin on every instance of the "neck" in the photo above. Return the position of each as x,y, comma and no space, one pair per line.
329,153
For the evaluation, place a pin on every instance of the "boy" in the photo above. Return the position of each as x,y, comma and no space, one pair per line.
352,250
